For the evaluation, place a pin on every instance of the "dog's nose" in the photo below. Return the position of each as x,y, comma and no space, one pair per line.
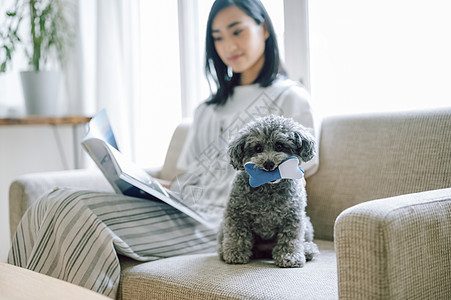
268,165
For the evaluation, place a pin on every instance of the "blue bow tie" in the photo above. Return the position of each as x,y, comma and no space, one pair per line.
289,168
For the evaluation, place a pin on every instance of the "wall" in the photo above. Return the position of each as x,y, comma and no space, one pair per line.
26,149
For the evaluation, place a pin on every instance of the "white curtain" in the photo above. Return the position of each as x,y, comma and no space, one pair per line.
102,69
115,65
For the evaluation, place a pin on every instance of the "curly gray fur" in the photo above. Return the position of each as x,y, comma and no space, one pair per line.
274,213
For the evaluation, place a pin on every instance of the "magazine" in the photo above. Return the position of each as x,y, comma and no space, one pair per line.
125,176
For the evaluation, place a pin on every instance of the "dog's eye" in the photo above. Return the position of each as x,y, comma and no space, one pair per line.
258,148
278,147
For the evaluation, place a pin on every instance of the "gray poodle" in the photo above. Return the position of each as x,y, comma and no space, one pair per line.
270,217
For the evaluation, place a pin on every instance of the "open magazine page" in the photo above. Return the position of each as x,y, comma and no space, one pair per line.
97,150
125,176
99,133
100,127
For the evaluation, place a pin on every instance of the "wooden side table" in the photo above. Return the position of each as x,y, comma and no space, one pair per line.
74,121
19,283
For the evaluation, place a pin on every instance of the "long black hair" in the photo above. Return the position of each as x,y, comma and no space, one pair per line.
215,69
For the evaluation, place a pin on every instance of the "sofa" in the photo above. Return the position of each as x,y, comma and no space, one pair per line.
380,204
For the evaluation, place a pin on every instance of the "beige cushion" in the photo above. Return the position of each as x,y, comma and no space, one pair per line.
371,157
204,276
170,170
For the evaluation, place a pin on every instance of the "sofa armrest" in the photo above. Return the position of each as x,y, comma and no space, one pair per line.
28,188
396,248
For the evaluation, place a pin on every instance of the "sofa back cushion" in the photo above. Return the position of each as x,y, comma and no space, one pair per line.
377,156
170,170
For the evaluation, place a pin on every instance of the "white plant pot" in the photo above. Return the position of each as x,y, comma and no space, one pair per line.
11,103
40,90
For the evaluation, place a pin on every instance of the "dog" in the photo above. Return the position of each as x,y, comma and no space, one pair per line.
269,219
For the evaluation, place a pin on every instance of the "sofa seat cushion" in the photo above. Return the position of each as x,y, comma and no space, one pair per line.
204,276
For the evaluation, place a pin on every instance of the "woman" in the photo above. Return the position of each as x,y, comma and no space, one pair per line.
76,235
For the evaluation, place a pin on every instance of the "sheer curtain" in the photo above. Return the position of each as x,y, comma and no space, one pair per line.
127,61
102,71
116,39
157,110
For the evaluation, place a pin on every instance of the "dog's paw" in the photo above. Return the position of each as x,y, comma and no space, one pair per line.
311,250
233,256
290,260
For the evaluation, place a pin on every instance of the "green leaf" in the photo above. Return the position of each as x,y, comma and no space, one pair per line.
51,34
8,52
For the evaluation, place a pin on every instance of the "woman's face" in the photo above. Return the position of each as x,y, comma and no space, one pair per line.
240,42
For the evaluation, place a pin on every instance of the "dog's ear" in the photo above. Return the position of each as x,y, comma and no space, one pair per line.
305,144
236,151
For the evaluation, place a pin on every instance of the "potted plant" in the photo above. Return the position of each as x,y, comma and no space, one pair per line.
40,29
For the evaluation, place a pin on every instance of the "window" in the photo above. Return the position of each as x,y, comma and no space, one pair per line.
379,55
